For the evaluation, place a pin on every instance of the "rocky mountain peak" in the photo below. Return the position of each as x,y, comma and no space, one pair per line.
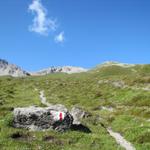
64,69
3,62
7,69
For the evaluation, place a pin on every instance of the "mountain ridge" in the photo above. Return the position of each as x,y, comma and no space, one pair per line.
60,69
8,69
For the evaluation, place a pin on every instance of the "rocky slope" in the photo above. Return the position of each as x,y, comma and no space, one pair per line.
64,69
11,69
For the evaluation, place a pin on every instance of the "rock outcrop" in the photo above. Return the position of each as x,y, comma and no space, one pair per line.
38,118
7,69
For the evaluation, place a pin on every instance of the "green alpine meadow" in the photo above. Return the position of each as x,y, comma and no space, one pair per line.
74,74
114,96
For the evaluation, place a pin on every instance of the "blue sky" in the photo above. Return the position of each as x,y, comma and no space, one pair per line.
74,32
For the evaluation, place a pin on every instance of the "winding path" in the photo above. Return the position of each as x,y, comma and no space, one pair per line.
43,99
120,140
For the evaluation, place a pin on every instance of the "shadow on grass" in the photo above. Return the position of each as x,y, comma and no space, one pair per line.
80,128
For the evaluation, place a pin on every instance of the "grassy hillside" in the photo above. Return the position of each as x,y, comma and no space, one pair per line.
123,91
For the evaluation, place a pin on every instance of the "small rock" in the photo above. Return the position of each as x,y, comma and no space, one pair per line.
108,108
118,84
78,114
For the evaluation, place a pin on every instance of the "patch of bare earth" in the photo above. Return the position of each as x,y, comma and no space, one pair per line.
21,136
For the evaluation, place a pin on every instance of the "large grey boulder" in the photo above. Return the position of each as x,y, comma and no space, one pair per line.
38,118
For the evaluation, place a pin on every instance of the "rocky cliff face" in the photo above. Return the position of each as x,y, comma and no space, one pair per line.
11,69
65,69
